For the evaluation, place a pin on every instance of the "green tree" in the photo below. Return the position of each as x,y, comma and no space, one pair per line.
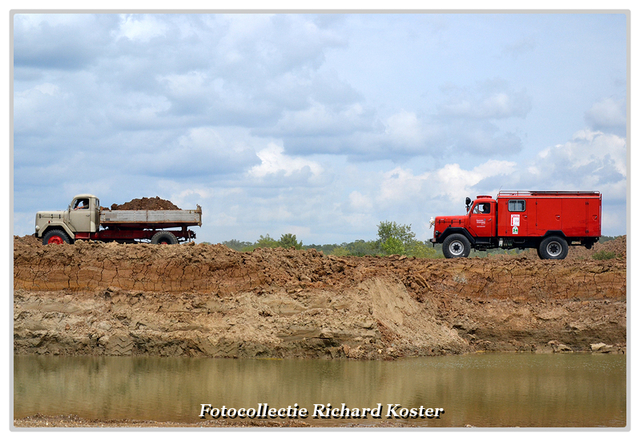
266,242
237,245
289,240
393,245
340,251
395,237
363,248
325,249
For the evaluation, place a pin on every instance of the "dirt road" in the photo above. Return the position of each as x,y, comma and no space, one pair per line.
208,300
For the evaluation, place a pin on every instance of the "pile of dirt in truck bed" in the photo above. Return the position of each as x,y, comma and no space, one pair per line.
154,203
208,300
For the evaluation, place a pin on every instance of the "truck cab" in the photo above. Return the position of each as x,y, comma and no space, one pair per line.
81,216
84,214
477,227
481,217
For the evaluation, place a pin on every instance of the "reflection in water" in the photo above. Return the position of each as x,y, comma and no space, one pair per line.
506,390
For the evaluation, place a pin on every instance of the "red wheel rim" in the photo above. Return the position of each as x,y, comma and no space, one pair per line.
56,240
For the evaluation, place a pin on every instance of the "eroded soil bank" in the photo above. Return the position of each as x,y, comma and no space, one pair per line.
208,300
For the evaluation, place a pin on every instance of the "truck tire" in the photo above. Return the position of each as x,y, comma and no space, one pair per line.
164,238
553,247
56,237
456,245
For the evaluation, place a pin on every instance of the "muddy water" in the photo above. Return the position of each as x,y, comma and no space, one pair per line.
482,390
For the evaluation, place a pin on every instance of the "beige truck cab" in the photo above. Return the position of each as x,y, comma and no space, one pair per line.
81,216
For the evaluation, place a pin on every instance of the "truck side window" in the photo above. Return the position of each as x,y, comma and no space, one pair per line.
517,205
482,209
81,204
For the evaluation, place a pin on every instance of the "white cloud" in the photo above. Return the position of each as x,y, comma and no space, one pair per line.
590,161
451,181
607,113
457,183
201,151
594,150
491,99
48,89
483,138
360,202
407,130
588,146
400,185
187,83
138,110
274,162
141,27
321,119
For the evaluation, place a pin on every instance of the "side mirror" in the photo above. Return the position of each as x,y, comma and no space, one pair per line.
468,202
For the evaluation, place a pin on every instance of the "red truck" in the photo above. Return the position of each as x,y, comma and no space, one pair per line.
549,221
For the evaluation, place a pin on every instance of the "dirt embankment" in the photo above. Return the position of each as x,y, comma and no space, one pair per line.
208,300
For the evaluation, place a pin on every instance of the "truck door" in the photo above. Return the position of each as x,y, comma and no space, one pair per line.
516,221
548,216
80,212
482,218
575,216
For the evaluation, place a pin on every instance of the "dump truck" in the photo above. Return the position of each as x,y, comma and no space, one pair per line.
549,221
85,219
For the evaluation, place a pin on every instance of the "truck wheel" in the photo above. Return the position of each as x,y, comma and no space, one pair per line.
456,245
553,247
164,237
55,237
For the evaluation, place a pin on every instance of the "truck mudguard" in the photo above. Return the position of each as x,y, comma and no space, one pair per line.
453,230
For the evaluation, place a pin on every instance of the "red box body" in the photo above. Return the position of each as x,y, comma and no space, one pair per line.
576,214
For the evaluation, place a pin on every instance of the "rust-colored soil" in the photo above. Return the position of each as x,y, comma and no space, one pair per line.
208,300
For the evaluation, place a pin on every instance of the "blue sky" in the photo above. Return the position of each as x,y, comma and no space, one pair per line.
320,125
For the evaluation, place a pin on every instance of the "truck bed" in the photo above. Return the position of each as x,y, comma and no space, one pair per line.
151,218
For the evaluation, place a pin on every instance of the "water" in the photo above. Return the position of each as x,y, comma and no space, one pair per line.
481,390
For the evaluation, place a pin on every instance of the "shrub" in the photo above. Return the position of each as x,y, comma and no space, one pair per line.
340,251
604,255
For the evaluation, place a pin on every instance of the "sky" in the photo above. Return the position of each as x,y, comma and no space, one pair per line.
320,125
